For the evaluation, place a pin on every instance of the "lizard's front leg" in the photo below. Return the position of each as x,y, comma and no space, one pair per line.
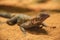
23,29
42,25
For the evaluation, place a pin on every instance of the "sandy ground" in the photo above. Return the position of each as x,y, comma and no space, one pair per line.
52,32
47,33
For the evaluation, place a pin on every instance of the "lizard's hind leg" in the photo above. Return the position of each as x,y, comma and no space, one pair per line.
12,21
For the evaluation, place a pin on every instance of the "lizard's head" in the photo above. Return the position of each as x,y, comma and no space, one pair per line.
44,15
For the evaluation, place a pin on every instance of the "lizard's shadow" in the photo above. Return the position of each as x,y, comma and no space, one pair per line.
37,31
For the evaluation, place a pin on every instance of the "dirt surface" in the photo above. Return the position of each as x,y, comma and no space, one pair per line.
52,32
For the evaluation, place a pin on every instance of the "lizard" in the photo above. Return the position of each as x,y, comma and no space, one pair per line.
34,22
25,21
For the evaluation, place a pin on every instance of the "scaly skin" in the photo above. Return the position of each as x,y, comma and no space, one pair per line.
35,22
25,21
13,18
20,18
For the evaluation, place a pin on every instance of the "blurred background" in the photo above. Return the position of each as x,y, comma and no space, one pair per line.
31,8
